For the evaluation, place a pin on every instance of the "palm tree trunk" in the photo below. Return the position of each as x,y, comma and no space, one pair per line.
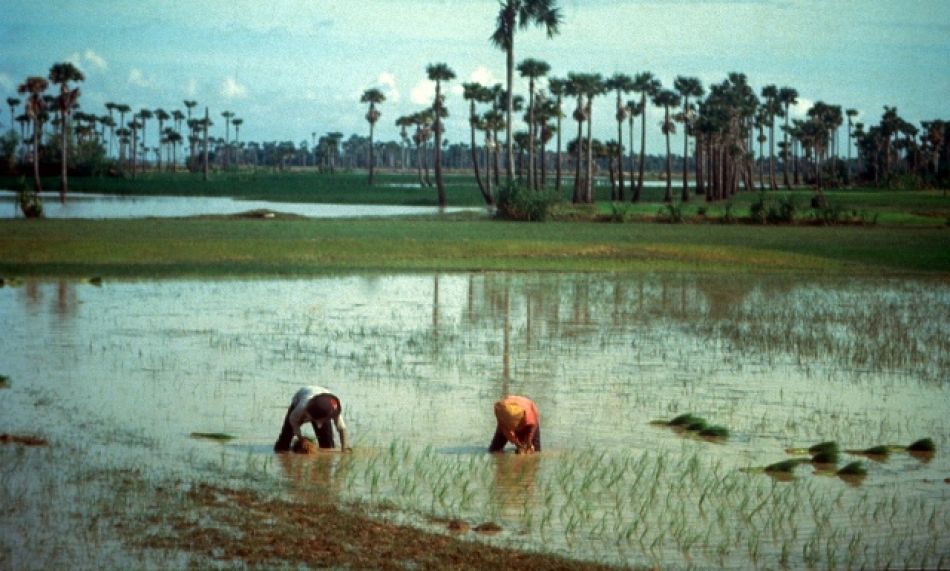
643,144
510,71
63,184
557,182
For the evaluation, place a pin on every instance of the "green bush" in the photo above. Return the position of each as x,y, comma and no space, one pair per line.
516,203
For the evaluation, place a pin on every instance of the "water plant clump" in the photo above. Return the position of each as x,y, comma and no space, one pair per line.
4,382
853,469
680,420
825,457
922,445
880,450
715,431
829,446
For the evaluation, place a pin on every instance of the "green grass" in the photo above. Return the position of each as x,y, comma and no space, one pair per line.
247,247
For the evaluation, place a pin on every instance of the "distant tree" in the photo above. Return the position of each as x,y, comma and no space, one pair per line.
557,88
851,114
621,83
144,115
787,96
62,74
161,116
228,115
687,87
374,97
12,102
533,69
439,72
647,86
237,122
666,99
514,15
475,93
33,88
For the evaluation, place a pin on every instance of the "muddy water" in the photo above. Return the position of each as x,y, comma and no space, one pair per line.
131,369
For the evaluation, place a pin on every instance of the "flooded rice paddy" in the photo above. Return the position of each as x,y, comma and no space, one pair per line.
123,373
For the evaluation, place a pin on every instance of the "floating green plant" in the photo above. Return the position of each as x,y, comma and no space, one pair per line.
827,447
217,436
715,431
697,425
783,467
880,450
853,469
4,382
681,420
826,457
922,445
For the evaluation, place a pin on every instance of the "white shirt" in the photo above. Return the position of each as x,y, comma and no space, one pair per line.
299,415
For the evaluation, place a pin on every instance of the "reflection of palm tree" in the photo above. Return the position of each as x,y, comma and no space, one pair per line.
33,88
533,69
373,97
514,14
439,72
61,74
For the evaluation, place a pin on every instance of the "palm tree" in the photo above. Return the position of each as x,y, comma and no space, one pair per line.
557,87
851,114
687,87
533,69
513,15
575,88
373,97
227,135
621,83
593,86
787,96
122,109
666,99
111,107
439,72
647,86
144,115
237,134
33,88
12,102
770,93
161,116
174,138
61,74
477,93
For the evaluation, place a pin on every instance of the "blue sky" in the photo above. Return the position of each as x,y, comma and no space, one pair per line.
289,68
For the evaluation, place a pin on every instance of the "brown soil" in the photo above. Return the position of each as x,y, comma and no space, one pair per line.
242,528
25,440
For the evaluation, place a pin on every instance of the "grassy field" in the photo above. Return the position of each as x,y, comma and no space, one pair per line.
879,232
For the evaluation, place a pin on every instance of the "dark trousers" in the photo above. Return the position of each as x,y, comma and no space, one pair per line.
320,409
499,440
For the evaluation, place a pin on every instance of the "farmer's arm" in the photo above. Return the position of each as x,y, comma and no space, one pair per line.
297,418
341,428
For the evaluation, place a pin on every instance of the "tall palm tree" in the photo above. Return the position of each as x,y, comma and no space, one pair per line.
12,102
373,97
111,107
514,15
787,96
237,122
439,72
174,138
474,93
557,87
61,74
33,89
228,115
667,98
770,93
161,116
851,114
575,88
144,115
593,86
647,86
533,69
687,87
122,109
621,83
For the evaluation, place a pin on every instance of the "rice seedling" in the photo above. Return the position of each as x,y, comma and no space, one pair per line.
853,469
827,447
880,450
715,431
216,436
4,382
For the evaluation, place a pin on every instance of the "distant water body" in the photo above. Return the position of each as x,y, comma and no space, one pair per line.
100,206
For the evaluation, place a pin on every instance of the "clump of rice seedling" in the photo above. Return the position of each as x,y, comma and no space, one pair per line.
825,457
681,420
784,466
4,382
828,447
880,450
714,431
922,445
853,469
697,425
217,436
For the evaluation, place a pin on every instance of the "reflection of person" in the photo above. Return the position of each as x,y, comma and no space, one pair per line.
319,407
518,423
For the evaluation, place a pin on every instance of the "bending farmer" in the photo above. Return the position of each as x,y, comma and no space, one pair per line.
518,423
319,407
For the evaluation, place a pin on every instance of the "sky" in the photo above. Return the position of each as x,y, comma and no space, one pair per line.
290,68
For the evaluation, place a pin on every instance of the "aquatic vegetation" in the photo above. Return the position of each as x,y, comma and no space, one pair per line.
714,431
217,436
825,457
853,469
922,445
4,382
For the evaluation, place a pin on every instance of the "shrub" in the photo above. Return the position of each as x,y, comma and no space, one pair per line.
516,203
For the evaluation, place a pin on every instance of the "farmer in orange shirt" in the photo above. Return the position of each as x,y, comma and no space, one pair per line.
518,423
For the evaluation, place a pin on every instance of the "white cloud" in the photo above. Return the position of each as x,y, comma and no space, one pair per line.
423,93
137,78
387,81
483,76
6,83
232,89
95,59
800,109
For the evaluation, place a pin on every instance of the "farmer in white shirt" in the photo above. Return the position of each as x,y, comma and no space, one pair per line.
319,407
